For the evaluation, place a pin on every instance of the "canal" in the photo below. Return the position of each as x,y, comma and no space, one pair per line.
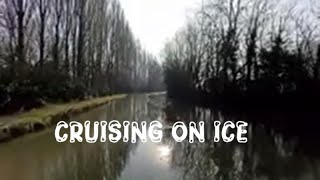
267,155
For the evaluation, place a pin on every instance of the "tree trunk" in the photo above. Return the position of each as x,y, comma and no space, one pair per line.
20,45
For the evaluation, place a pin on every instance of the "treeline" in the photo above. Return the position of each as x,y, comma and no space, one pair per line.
247,52
59,50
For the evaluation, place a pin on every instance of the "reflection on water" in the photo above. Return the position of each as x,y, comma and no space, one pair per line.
267,155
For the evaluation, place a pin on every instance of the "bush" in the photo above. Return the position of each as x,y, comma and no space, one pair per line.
35,88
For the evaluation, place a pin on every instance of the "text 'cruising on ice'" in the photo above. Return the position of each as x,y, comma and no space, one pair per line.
114,131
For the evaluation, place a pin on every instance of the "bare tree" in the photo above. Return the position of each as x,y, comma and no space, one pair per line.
43,7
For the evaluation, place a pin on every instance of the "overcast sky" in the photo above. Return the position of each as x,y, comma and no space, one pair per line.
154,21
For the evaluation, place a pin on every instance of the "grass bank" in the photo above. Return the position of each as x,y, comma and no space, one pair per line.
39,119
153,94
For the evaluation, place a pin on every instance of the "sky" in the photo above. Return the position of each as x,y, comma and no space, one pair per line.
155,21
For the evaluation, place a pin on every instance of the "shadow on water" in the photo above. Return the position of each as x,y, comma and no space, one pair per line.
269,154
276,149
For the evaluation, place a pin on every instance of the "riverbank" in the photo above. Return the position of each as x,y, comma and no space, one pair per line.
39,119
236,100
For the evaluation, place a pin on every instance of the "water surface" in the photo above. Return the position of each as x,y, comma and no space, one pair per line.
267,155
